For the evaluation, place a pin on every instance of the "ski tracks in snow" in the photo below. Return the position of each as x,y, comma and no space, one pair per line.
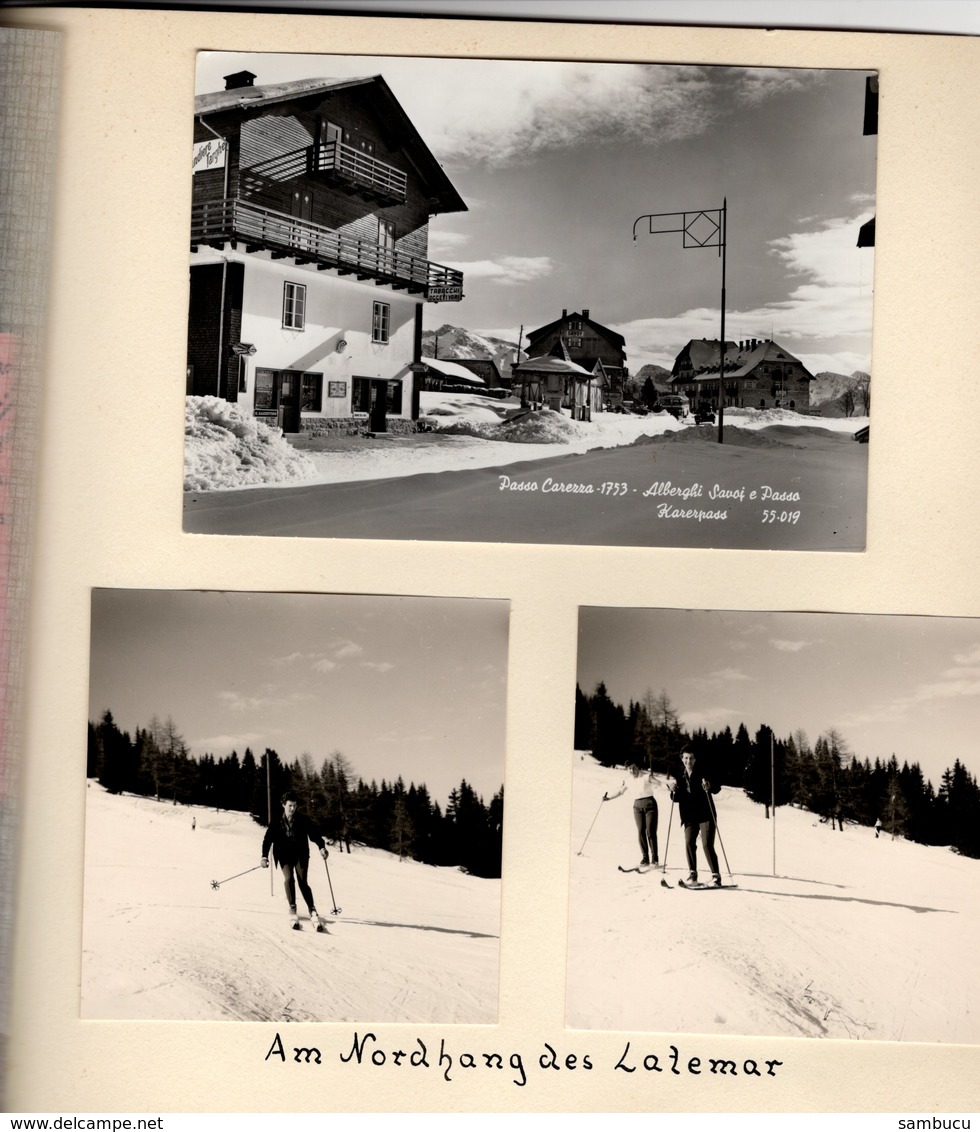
852,937
421,944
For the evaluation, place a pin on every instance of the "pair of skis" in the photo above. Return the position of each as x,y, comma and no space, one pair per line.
697,886
689,885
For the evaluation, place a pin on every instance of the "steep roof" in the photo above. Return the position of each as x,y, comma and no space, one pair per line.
242,97
747,362
380,96
705,351
551,327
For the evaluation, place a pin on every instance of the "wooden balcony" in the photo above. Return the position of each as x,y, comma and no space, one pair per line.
263,229
342,165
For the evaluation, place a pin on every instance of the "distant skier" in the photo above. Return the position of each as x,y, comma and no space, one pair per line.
289,836
640,787
691,791
877,828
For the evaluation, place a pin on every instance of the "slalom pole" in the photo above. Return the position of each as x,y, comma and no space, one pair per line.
714,818
670,822
335,910
219,883
579,854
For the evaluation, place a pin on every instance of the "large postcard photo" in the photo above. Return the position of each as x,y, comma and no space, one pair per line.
539,302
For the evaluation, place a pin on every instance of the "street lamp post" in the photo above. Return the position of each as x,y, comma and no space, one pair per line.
706,228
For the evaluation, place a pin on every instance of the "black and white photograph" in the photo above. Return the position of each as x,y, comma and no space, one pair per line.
484,300
294,808
776,826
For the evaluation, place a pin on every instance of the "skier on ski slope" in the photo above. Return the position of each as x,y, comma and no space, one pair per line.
640,787
289,836
691,791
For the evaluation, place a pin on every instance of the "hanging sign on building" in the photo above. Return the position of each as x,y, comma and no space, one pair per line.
209,155
444,292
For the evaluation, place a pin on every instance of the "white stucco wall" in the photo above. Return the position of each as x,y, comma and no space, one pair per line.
338,308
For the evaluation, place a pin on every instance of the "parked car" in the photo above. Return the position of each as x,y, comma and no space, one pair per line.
675,404
704,414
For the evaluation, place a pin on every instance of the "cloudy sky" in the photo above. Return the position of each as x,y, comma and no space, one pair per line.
402,686
908,686
557,160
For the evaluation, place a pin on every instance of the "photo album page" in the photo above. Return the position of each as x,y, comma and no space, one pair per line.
458,545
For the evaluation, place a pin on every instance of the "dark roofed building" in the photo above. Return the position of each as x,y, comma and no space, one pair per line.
759,374
310,215
586,343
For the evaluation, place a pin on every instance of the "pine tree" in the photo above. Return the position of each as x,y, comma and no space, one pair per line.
758,774
583,721
402,830
609,739
741,753
667,739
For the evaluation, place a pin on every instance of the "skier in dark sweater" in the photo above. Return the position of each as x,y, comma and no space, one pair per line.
692,791
289,836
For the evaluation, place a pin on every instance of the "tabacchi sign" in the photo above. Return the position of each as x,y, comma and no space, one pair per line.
444,292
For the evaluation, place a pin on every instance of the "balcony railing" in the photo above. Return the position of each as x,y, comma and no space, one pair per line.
351,167
264,229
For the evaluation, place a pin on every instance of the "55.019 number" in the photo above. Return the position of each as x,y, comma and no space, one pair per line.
781,516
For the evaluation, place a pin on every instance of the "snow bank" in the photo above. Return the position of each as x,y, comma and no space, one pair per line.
223,447
226,450
542,426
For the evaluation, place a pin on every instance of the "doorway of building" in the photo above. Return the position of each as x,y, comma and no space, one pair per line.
371,397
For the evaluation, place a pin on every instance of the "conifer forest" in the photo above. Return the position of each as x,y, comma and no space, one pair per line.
155,762
825,778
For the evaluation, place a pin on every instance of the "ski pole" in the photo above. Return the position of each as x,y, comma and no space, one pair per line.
335,910
219,883
603,799
714,817
670,822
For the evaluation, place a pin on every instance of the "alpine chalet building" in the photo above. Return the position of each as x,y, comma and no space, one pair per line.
759,374
586,343
309,264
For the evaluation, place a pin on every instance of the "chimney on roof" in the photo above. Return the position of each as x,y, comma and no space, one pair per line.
239,79
564,313
585,312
